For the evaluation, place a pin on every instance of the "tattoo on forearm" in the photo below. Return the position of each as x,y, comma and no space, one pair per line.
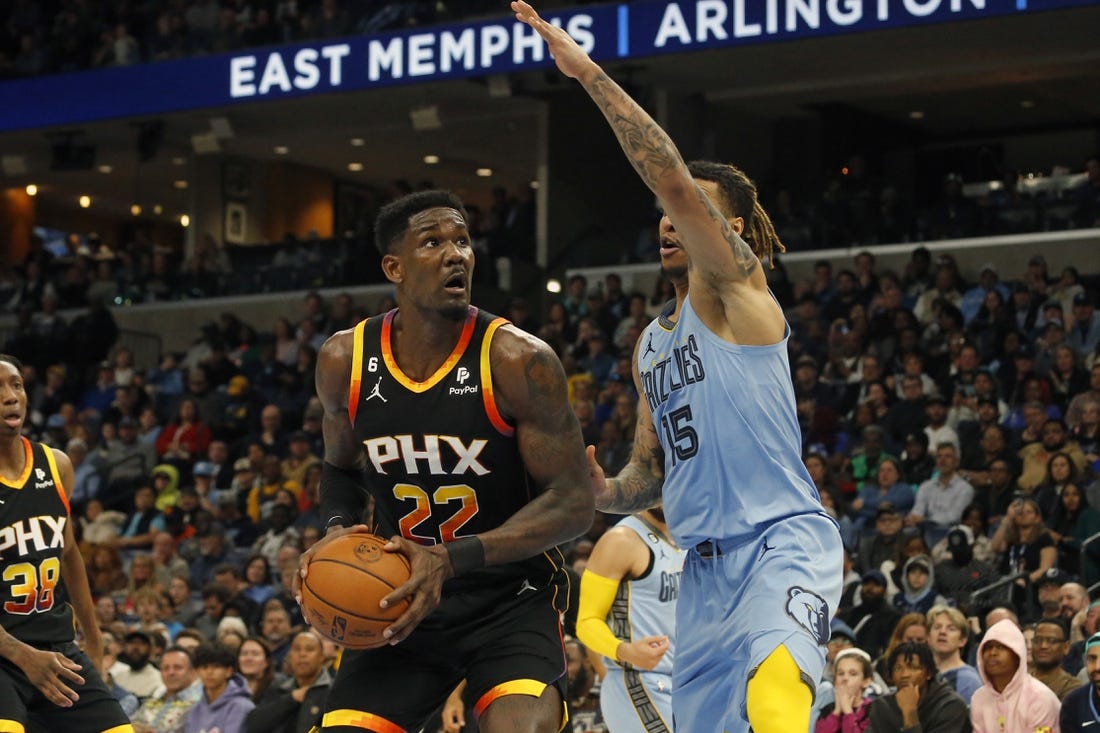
743,256
638,486
647,146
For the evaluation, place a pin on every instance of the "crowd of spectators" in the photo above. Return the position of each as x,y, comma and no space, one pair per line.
952,427
52,36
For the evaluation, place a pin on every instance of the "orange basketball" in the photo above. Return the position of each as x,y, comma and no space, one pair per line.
345,580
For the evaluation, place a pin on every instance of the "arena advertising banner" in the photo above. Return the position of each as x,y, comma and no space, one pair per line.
501,45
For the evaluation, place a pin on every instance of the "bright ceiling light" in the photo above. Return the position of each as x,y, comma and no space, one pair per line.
185,220
84,201
553,285
135,209
281,150
484,172
158,209
355,167
32,190
357,142
180,184
105,168
431,159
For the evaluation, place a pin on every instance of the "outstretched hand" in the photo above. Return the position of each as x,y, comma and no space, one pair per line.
570,58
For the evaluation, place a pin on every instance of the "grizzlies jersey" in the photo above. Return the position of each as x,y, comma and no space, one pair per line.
442,462
725,416
646,606
33,513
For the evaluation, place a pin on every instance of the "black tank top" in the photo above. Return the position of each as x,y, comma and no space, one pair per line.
442,462
33,513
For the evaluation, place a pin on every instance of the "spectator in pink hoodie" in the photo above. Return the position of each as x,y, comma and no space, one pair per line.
1010,699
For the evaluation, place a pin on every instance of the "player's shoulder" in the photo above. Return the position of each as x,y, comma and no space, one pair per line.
514,348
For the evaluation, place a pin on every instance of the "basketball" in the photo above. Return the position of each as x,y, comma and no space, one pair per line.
346,579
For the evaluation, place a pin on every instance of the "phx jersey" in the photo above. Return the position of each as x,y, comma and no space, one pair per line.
33,513
442,463
725,415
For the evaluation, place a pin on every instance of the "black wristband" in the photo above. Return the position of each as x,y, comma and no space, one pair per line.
342,494
466,553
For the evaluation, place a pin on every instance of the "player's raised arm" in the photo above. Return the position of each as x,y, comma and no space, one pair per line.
710,239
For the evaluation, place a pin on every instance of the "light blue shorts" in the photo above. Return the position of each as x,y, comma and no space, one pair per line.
636,701
741,604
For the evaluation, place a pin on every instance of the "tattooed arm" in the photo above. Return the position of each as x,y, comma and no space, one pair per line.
639,483
531,393
709,238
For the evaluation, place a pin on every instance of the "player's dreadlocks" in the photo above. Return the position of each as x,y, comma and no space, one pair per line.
739,199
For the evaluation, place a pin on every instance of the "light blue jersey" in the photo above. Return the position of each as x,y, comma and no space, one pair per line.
764,562
725,415
633,700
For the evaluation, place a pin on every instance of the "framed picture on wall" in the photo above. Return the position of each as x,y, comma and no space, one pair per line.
236,222
236,180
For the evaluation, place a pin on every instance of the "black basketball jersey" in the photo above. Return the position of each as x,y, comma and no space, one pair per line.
442,462
33,513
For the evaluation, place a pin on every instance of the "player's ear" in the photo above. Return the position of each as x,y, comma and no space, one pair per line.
738,224
391,268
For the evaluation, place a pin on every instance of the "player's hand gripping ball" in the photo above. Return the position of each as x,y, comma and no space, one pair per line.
346,579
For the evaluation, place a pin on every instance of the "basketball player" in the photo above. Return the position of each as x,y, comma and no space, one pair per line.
627,614
718,440
46,682
476,466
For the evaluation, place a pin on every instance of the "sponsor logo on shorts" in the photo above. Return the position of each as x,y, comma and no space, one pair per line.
810,611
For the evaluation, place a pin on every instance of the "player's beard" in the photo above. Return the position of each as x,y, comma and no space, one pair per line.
675,272
658,514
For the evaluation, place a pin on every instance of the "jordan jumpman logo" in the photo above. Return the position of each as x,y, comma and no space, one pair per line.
375,393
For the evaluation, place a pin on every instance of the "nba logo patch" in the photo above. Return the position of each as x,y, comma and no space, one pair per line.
339,628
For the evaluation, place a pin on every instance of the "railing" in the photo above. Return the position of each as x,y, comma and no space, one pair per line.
1085,579
1007,581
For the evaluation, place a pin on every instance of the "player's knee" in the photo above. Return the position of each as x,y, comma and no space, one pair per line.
778,699
524,713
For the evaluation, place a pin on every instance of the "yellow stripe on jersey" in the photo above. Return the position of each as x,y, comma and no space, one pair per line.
491,409
359,719
50,459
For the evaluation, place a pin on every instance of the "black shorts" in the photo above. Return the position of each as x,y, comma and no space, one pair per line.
502,641
97,710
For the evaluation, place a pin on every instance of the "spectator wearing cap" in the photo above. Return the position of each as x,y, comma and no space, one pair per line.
99,396
1084,334
941,500
1035,457
917,464
213,550
1079,707
853,690
974,298
948,632
312,418
126,460
241,409
884,542
202,477
908,413
963,559
134,671
873,620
